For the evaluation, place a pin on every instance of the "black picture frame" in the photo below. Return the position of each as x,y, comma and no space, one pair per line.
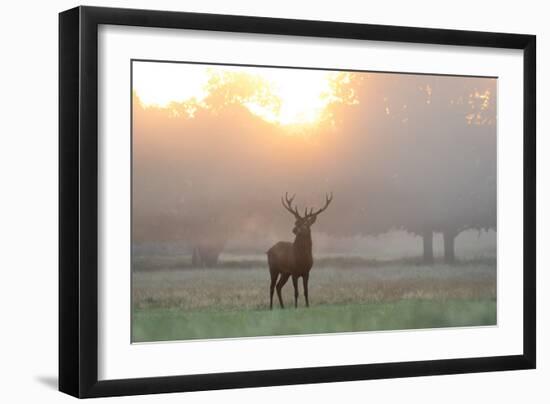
78,200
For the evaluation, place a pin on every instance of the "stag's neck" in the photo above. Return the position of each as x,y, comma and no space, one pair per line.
302,248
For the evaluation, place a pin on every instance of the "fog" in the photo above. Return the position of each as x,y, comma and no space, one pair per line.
408,158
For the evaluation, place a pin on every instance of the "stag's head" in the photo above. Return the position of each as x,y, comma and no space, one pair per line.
303,222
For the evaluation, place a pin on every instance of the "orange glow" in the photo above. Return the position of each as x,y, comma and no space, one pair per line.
286,97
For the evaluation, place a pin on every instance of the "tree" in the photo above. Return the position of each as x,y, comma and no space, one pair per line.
182,160
435,155
456,127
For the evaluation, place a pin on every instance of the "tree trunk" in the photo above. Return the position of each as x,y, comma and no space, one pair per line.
196,260
206,255
449,246
428,245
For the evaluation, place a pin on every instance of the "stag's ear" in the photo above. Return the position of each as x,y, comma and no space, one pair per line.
312,219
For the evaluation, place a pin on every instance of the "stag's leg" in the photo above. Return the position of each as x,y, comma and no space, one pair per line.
274,276
295,284
282,280
306,279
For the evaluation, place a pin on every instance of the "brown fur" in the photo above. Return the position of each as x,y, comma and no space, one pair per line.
295,259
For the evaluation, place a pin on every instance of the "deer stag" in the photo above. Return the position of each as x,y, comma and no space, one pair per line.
295,259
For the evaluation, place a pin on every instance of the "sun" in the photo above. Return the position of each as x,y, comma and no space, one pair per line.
302,95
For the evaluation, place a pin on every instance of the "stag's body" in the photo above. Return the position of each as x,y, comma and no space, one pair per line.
295,259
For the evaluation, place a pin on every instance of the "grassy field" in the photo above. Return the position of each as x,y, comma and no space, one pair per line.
232,301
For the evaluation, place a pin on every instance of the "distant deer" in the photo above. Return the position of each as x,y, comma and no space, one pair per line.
295,259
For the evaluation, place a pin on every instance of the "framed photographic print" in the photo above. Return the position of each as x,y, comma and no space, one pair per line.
251,201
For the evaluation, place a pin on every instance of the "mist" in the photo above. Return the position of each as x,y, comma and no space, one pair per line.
410,160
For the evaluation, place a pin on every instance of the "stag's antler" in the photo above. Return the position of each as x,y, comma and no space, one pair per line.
287,203
311,214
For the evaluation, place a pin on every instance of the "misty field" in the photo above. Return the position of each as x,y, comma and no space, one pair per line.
173,301
235,159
